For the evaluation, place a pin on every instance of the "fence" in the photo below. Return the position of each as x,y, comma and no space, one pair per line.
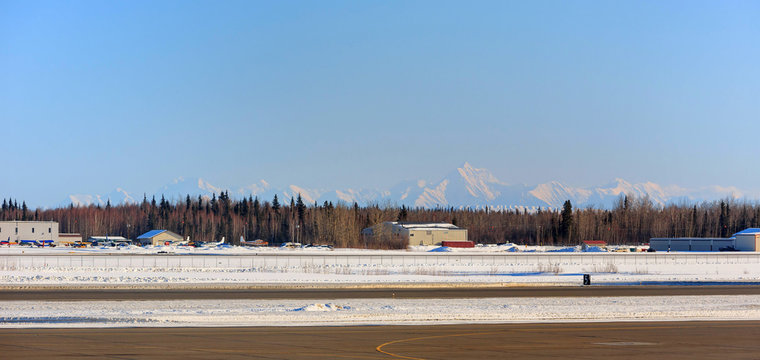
389,260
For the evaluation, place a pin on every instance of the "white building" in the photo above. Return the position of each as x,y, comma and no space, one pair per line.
29,232
748,239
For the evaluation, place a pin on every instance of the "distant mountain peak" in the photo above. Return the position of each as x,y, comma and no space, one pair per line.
478,182
465,186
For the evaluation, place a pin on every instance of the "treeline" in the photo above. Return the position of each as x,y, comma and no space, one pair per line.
630,221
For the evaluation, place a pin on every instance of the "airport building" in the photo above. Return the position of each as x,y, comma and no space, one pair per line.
417,233
745,240
690,244
111,240
29,232
158,237
69,239
748,239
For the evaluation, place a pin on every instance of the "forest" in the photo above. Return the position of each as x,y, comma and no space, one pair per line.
630,221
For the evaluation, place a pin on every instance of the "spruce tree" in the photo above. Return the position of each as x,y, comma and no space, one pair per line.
402,214
300,208
566,220
276,205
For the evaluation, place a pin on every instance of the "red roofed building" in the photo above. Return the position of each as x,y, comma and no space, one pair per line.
591,243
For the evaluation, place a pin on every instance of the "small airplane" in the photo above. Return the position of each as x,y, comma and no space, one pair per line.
38,243
257,242
183,243
216,244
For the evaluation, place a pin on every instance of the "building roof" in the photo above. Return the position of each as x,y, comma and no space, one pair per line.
748,231
595,242
28,221
150,234
425,225
112,238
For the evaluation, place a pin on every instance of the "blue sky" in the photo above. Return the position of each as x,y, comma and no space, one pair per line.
100,94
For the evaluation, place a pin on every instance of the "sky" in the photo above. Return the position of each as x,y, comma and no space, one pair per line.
96,95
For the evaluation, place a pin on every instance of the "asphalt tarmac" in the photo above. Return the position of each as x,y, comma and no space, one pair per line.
636,340
205,293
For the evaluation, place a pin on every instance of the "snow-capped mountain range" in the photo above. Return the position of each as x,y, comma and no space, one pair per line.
464,187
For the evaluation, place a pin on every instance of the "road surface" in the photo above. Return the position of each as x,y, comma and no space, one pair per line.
638,340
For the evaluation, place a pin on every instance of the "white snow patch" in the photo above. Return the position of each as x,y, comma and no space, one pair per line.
175,313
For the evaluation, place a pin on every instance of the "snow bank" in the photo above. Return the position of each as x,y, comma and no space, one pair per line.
17,314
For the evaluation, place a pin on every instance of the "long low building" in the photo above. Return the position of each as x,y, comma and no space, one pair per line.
690,244
745,240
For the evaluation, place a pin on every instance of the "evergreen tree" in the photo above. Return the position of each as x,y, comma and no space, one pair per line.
276,205
566,220
256,207
214,204
402,214
300,208
244,208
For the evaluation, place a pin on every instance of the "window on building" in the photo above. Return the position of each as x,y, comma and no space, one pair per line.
50,230
429,232
16,231
32,230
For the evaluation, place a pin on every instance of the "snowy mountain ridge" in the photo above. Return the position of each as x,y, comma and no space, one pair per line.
466,186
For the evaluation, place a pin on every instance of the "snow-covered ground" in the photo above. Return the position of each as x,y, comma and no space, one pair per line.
245,250
374,311
483,266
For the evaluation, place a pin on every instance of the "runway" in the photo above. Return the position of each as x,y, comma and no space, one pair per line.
268,293
638,340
